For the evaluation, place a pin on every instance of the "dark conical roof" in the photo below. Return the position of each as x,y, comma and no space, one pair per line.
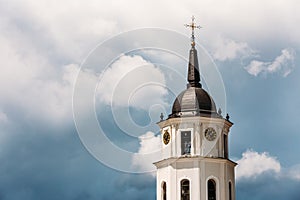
193,69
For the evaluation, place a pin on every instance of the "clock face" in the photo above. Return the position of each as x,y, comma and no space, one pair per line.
210,134
166,137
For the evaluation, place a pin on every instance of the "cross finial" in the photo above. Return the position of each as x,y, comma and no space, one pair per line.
192,26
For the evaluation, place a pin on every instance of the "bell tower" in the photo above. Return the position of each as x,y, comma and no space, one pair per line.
195,163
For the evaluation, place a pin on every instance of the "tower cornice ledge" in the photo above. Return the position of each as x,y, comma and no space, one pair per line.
189,158
194,119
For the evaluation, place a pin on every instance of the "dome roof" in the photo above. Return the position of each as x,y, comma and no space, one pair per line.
193,101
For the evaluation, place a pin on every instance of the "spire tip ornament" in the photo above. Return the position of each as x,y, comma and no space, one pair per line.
193,26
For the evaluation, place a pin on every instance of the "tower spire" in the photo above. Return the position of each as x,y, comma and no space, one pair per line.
193,68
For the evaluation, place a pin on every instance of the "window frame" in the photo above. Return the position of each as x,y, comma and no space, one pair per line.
217,184
181,189
180,141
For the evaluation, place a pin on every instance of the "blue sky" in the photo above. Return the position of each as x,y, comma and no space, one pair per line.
249,63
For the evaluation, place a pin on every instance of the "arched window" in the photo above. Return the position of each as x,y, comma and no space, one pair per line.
230,191
185,189
211,190
164,191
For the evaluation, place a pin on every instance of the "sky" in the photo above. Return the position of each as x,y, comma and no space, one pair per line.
83,83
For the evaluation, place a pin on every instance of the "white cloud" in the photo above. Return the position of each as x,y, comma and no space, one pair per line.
67,32
33,78
132,81
51,98
73,29
33,84
149,152
253,164
227,49
283,64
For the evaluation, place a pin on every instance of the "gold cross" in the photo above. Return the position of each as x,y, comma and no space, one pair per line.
193,27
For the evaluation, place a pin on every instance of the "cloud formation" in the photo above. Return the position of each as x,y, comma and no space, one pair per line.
283,64
227,49
253,164
148,153
33,83
132,81
261,176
